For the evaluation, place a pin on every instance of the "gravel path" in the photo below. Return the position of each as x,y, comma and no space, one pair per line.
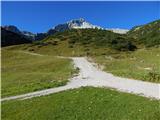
92,76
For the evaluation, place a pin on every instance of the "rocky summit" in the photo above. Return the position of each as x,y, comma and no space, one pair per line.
81,23
76,24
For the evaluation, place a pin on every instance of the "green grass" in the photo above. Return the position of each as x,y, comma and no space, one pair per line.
23,73
143,64
63,49
83,104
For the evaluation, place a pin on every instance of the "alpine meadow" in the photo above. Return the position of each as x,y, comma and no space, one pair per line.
80,68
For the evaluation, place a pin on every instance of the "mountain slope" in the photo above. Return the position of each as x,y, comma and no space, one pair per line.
14,29
148,34
28,35
81,42
94,37
11,38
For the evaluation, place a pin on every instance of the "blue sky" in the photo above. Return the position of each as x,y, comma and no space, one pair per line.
40,16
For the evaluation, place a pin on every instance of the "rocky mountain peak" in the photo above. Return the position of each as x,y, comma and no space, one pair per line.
77,21
12,28
80,23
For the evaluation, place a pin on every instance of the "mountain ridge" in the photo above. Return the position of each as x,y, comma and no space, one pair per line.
14,29
148,34
145,35
80,23
11,38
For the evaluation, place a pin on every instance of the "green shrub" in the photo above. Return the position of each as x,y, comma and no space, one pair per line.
70,46
153,76
71,41
123,45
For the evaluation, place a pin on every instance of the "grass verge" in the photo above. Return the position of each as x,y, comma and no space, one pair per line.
83,104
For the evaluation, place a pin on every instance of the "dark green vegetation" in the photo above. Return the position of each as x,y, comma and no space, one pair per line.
94,38
10,38
82,42
148,34
83,104
90,38
143,64
23,72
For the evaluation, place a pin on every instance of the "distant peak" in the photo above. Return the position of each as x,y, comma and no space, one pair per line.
12,28
80,23
80,20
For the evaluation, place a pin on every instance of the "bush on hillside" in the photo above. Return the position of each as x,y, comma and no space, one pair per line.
70,46
153,76
124,46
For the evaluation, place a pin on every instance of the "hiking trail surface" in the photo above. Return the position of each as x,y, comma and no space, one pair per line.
89,75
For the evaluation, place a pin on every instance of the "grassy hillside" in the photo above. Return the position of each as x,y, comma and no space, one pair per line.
23,73
94,37
83,104
148,34
143,64
82,42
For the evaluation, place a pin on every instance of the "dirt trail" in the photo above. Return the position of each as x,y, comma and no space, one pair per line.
91,76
